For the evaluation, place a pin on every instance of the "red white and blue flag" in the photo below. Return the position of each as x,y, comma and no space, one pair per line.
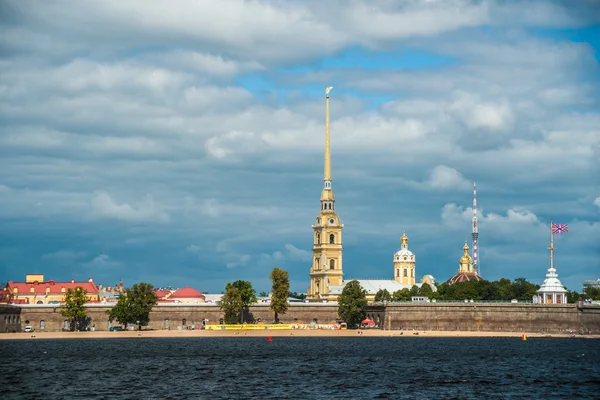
557,229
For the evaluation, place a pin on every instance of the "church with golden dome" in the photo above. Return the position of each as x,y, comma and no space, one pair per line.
326,273
466,272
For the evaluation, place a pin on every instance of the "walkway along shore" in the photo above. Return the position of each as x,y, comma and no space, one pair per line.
277,333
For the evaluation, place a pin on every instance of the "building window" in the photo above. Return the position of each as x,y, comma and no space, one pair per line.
42,324
331,264
332,239
183,321
398,273
66,325
39,302
166,323
405,272
318,238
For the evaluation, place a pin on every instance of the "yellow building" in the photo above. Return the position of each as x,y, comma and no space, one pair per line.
35,290
404,263
326,273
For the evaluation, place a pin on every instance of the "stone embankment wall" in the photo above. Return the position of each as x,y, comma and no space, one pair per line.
10,318
501,317
172,316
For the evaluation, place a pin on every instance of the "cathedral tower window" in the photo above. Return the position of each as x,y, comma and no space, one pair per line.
318,238
405,272
332,239
331,264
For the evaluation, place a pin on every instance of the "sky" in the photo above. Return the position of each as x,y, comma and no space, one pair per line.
181,143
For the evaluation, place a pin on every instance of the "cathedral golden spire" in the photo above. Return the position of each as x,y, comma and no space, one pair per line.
327,172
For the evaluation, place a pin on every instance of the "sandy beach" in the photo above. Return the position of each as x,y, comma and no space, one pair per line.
273,333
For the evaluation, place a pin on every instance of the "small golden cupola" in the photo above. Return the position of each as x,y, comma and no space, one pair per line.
466,262
465,268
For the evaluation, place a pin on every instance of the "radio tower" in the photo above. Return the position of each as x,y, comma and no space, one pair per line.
475,233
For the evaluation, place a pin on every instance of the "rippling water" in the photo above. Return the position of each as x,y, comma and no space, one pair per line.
300,368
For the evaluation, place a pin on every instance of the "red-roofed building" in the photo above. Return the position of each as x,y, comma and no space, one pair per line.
162,294
37,291
187,295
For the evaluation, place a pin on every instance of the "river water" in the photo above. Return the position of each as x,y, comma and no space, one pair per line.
301,368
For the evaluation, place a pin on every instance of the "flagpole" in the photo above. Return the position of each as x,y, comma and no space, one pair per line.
551,246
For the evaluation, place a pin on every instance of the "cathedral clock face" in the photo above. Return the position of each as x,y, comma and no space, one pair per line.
332,221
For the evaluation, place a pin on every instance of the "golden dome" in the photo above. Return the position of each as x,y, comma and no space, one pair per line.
404,238
465,260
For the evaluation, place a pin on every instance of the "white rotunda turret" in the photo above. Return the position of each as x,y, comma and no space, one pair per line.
404,263
552,290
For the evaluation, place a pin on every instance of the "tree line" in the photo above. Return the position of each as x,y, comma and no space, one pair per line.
134,305
500,290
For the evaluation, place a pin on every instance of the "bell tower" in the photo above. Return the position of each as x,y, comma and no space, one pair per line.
326,268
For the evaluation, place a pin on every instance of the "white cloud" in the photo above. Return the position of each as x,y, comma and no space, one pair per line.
102,261
444,177
103,206
178,104
478,114
192,248
296,253
597,201
458,217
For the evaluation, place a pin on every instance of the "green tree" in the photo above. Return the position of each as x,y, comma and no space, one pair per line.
426,290
414,290
263,294
352,304
523,290
74,308
231,304
134,305
247,294
294,295
383,295
591,293
401,295
280,289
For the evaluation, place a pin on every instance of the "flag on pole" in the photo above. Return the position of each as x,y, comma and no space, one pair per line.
557,229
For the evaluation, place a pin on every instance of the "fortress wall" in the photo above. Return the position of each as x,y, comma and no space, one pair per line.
10,318
424,316
590,317
175,314
488,317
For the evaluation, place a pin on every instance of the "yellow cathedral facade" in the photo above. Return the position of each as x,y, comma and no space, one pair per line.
326,273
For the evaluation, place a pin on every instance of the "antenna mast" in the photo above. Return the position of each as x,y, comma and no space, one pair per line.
475,233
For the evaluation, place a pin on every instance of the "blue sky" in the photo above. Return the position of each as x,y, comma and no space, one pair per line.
183,145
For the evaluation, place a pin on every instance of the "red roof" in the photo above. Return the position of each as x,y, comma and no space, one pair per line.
161,294
187,293
40,288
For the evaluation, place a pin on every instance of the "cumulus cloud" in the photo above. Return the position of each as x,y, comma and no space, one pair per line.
179,116
104,206
294,252
478,114
597,202
444,177
102,261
